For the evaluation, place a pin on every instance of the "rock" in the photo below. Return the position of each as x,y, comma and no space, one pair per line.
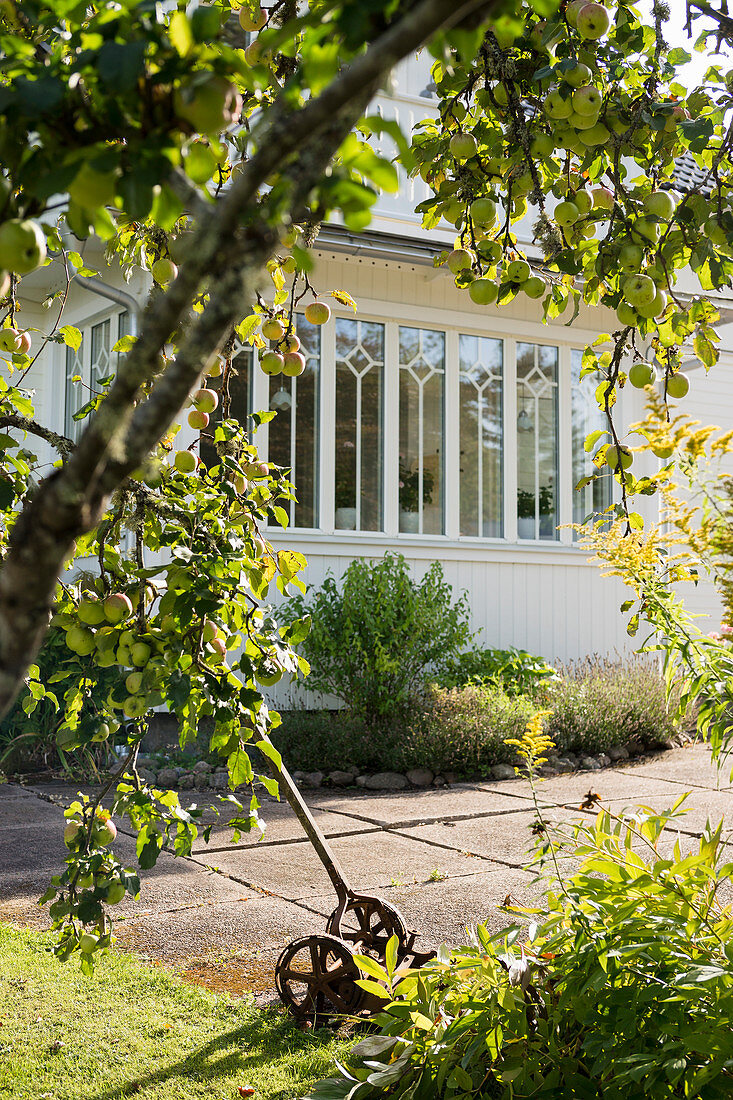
312,779
547,770
439,781
503,771
420,777
297,777
451,777
221,771
618,752
589,764
386,781
147,775
361,780
341,779
145,761
201,767
219,781
168,777
201,781
186,782
603,760
564,764
571,757
662,744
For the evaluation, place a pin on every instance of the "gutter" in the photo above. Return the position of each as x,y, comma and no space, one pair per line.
114,294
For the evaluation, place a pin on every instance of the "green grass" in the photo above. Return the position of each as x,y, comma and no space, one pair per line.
137,1031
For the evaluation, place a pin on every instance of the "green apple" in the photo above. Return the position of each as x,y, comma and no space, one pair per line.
9,339
656,307
271,362
88,943
272,329
613,454
572,10
210,631
206,400
483,211
117,607
91,189
102,732
542,145
661,204
91,611
483,292
647,228
578,75
317,313
290,343
596,135
459,259
115,893
252,20
662,450
140,653
73,833
134,682
293,364
627,315
463,146
638,290
587,101
105,639
135,706
592,21
164,271
641,375
518,271
198,420
556,106
207,102
678,386
566,213
631,257
583,200
603,198
534,287
105,830
22,246
268,675
123,656
218,651
80,641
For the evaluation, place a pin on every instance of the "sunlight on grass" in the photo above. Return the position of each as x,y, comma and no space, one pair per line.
135,1030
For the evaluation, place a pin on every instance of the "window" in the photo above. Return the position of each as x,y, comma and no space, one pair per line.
594,498
358,451
421,386
293,434
89,366
537,441
481,436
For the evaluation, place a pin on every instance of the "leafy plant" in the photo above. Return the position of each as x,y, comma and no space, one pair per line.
409,486
515,670
377,636
624,988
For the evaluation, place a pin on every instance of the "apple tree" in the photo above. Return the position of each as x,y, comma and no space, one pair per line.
204,146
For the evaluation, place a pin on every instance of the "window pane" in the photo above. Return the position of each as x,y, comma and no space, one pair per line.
293,436
537,512
76,393
587,417
234,403
101,364
358,448
422,381
481,397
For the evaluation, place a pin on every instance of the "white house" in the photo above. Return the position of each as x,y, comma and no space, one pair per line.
423,424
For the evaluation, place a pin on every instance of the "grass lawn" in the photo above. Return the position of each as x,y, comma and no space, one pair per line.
135,1030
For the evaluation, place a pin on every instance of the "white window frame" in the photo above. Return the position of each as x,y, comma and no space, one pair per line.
70,427
453,323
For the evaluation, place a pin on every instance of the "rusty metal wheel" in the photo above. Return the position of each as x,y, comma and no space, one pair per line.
316,978
367,923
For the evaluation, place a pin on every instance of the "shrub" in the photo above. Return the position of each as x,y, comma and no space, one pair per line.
515,670
624,989
599,703
377,635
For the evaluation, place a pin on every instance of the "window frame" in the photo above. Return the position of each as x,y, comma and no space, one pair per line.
84,358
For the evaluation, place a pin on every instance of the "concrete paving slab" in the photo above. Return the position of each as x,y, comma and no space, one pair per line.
283,827
415,807
369,861
612,784
691,766
488,837
700,807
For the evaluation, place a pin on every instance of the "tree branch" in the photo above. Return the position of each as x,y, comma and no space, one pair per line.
60,443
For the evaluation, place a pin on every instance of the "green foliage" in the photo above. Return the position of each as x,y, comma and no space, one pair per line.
623,987
600,703
515,670
378,635
137,1030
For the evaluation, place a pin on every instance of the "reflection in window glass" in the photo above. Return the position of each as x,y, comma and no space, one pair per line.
480,397
293,435
358,445
422,381
592,499
537,442
92,363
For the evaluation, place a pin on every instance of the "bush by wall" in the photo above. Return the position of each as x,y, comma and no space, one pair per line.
377,635
515,670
